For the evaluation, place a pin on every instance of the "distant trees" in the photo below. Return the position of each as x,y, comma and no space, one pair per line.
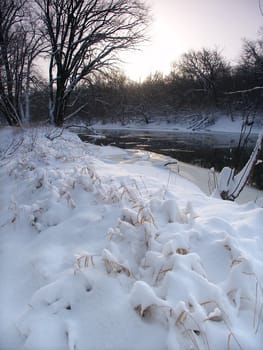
204,67
252,57
204,84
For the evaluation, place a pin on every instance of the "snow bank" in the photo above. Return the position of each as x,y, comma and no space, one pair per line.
98,252
215,122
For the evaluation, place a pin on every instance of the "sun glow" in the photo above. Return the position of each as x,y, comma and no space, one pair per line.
179,26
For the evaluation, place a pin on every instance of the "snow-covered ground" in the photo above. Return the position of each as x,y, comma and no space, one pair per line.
217,123
103,248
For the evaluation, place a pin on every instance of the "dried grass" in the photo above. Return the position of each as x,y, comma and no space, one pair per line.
115,267
82,260
193,332
225,320
182,251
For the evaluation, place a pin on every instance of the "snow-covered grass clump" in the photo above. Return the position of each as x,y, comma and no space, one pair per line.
100,248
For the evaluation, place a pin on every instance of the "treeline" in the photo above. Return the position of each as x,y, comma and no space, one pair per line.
200,82
80,42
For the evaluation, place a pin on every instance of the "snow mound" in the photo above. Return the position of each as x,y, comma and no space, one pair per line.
97,254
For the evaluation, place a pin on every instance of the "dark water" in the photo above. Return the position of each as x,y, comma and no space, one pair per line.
203,149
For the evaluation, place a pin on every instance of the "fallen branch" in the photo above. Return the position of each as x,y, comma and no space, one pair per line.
244,91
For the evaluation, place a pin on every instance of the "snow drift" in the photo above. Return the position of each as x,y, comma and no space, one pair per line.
103,249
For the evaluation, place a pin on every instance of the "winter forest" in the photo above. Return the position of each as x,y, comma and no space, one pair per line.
120,246
78,43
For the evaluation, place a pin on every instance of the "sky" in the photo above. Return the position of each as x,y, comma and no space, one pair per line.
180,25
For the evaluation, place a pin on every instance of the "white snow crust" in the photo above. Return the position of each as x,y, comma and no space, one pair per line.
107,249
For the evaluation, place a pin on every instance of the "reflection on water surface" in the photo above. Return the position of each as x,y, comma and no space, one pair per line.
203,149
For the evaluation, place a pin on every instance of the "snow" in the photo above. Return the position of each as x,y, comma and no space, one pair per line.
216,123
231,183
103,248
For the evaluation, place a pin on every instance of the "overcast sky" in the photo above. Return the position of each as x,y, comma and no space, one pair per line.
180,25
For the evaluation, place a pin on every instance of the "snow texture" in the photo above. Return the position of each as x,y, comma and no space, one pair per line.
102,248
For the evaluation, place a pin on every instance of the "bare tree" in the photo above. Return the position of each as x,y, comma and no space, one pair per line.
206,67
11,13
85,37
19,46
250,67
33,47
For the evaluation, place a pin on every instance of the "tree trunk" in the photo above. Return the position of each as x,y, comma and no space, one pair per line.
59,108
9,112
